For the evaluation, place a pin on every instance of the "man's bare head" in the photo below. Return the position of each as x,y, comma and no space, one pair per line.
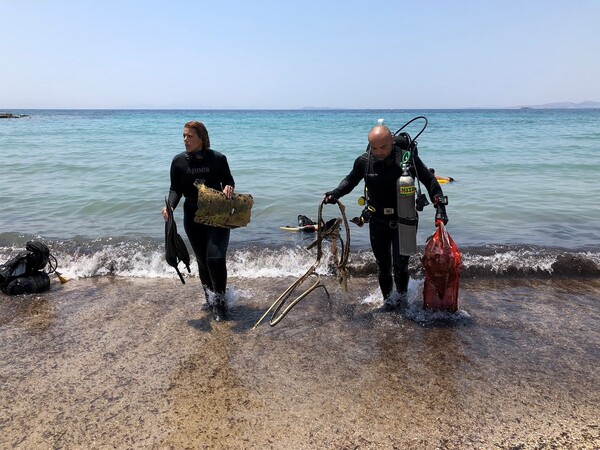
381,142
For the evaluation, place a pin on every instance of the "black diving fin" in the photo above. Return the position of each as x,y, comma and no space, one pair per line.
175,249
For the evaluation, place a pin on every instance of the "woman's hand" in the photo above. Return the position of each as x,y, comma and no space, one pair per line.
228,191
164,213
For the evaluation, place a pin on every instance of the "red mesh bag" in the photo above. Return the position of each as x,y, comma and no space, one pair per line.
442,262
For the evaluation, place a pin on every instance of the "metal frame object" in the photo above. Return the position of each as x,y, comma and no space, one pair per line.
332,233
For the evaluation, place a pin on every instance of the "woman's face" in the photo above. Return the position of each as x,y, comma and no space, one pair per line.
191,140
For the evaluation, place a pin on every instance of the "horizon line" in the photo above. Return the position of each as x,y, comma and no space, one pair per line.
306,108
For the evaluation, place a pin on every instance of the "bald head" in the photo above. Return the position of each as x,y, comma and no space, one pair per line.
380,131
380,140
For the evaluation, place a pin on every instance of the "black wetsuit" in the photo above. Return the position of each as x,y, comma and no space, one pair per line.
381,178
209,243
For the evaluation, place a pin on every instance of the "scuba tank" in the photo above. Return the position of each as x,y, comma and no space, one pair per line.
407,212
408,202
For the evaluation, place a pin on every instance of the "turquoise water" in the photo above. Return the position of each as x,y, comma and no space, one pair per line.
523,177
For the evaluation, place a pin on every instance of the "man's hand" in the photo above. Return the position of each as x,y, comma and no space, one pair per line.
330,197
441,215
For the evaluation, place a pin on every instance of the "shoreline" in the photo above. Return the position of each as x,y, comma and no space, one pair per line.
137,363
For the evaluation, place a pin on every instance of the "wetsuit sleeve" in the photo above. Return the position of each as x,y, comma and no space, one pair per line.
352,179
175,191
428,179
227,178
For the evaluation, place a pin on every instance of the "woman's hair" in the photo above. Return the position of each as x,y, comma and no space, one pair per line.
201,131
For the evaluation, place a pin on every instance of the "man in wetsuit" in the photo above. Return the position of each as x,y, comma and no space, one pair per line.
200,164
380,169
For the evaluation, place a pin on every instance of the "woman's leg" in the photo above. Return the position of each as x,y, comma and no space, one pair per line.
198,236
216,251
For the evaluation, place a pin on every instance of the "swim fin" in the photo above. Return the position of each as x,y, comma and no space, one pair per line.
175,249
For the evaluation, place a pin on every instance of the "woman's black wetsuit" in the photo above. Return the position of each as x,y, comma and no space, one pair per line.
209,243
380,178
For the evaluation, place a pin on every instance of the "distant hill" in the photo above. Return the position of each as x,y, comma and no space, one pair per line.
565,105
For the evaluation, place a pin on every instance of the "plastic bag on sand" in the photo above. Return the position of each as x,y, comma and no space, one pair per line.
442,262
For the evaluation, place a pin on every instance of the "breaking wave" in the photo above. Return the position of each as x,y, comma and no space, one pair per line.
144,258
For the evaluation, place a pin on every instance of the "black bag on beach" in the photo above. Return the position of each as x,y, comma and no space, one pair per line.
14,267
28,284
23,273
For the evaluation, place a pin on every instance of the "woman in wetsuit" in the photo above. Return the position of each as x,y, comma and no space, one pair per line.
200,164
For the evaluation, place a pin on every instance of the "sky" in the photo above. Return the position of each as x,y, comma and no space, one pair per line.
280,54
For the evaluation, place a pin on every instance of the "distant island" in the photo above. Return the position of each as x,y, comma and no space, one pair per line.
564,105
318,108
12,116
557,105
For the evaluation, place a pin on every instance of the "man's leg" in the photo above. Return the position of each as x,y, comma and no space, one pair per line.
381,245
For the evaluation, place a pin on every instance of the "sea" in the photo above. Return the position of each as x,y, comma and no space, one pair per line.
91,184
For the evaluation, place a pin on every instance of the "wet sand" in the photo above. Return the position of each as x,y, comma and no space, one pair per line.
129,363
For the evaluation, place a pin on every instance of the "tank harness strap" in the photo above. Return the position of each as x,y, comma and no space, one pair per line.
367,166
392,223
